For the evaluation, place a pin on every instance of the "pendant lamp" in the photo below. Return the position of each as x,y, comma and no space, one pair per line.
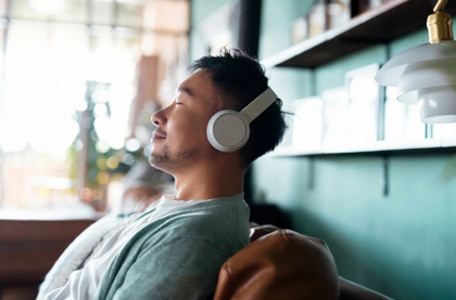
426,74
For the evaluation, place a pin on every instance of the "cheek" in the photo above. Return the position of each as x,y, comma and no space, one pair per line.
192,131
199,133
198,124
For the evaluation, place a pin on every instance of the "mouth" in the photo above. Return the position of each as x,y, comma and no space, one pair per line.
158,135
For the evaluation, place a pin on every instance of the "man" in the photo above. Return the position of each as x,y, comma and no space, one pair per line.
175,249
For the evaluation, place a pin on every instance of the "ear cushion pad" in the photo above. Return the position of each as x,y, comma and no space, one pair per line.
228,131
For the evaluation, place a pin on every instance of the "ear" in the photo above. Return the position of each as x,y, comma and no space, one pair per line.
228,130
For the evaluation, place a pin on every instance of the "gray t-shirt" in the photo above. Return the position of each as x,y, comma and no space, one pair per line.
171,251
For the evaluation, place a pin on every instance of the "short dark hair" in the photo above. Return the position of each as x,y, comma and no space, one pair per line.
240,78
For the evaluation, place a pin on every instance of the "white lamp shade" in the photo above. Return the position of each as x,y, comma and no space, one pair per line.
438,105
423,75
391,72
426,75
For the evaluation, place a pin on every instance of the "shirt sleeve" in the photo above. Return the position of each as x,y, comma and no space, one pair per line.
62,281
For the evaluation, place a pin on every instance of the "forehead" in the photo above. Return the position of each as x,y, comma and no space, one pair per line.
197,83
200,89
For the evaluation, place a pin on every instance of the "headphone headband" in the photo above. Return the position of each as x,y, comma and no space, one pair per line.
259,104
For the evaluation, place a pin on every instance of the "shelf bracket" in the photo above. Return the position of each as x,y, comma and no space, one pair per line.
386,179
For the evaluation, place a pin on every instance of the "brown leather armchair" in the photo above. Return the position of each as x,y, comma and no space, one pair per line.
284,264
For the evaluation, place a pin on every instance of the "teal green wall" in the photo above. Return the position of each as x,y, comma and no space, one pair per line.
401,243
199,11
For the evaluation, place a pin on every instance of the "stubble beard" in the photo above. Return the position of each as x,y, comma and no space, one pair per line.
167,161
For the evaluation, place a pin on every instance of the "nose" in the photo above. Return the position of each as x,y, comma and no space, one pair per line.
160,117
156,117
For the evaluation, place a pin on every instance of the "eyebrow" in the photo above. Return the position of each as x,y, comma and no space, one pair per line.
186,90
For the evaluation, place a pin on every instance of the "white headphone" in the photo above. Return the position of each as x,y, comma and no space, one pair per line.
229,130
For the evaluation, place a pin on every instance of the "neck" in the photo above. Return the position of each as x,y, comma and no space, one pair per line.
202,183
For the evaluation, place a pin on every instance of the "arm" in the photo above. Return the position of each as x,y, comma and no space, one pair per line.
76,255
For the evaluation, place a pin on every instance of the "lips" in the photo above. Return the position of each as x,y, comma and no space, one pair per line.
158,135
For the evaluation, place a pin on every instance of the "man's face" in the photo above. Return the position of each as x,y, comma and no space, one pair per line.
180,137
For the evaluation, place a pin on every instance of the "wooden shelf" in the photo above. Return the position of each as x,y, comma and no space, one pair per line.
382,24
379,147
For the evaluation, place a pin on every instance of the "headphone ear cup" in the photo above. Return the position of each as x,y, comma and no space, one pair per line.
228,131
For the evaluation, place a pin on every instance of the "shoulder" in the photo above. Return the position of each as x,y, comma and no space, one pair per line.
222,223
222,216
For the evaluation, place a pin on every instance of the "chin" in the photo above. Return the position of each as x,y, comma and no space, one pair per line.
158,160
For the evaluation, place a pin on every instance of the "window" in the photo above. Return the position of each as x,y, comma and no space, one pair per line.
66,92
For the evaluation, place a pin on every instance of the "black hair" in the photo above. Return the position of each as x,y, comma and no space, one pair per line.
240,78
